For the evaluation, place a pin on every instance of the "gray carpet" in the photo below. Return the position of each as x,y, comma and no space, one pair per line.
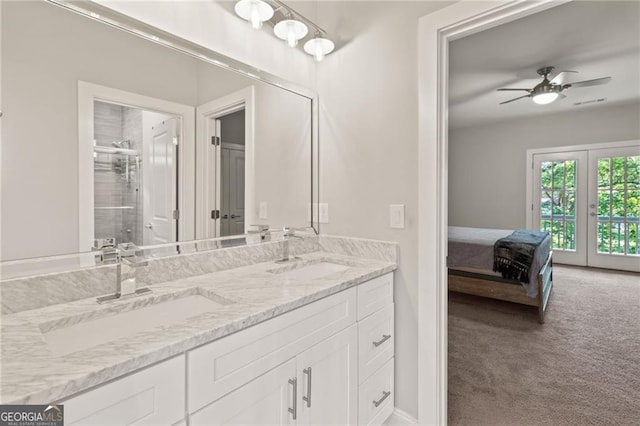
582,367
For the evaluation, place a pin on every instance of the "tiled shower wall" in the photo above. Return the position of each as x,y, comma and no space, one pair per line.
112,186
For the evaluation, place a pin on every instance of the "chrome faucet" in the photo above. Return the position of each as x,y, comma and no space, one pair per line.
126,264
288,233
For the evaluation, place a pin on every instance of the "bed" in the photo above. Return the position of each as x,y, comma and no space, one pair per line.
470,263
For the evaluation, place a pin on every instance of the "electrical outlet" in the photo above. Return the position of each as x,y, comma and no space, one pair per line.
262,213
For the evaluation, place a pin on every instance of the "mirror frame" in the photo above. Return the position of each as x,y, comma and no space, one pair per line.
153,34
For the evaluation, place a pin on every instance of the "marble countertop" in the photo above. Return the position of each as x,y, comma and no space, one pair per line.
33,374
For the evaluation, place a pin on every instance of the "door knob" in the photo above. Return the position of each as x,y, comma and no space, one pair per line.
233,216
593,206
225,216
592,214
149,226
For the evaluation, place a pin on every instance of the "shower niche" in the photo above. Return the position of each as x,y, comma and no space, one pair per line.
127,166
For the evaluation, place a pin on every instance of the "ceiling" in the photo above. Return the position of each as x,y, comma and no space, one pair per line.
596,38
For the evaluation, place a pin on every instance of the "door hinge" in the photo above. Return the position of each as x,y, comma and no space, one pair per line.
215,214
176,214
215,140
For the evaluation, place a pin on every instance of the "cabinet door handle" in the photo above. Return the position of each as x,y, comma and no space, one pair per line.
307,398
385,395
294,410
385,337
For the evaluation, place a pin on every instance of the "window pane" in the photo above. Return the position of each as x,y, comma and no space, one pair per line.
603,173
570,204
557,203
617,204
546,169
570,235
545,206
604,198
570,171
633,172
617,238
618,175
558,234
558,174
633,205
545,225
633,240
603,237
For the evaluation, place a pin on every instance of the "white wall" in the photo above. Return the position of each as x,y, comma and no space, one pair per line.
369,146
487,164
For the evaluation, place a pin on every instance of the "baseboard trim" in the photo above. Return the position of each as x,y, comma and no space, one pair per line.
400,418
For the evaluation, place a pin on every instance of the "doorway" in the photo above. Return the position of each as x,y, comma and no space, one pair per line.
232,165
135,174
589,201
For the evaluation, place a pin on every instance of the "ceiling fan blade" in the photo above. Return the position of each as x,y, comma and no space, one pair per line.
561,78
509,88
514,99
586,83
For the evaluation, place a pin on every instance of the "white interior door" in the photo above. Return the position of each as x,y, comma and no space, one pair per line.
232,190
614,208
560,203
160,173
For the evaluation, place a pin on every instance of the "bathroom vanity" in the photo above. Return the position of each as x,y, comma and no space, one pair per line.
306,342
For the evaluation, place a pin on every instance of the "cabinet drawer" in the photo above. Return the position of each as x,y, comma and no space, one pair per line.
226,364
378,389
375,341
149,397
374,295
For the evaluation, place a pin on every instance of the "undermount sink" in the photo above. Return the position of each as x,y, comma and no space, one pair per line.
93,332
309,271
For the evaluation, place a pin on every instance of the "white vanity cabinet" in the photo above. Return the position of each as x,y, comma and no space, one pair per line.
329,362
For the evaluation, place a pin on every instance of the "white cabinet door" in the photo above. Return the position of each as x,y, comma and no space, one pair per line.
327,381
264,401
152,396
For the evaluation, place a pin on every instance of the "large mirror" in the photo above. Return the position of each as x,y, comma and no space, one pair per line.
107,134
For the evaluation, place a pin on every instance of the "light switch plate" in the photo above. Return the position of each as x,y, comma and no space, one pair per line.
396,216
324,213
262,213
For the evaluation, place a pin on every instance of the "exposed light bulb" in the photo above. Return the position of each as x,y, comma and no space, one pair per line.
318,54
255,20
292,39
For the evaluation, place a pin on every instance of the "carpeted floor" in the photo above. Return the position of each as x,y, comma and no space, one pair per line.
582,367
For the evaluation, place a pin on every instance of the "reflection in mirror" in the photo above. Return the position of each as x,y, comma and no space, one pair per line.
108,135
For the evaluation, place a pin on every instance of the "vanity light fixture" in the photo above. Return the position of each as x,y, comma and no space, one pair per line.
254,11
290,30
319,46
292,27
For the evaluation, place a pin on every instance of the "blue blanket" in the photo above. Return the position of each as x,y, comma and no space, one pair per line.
513,255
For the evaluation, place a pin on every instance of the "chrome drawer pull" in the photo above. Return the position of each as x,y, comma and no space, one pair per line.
385,395
294,410
307,398
385,337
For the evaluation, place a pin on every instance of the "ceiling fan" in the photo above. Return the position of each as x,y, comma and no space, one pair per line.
549,90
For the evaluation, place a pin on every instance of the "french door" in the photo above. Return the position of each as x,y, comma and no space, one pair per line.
589,201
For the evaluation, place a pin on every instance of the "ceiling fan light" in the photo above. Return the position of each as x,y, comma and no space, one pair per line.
318,47
254,11
545,98
291,31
